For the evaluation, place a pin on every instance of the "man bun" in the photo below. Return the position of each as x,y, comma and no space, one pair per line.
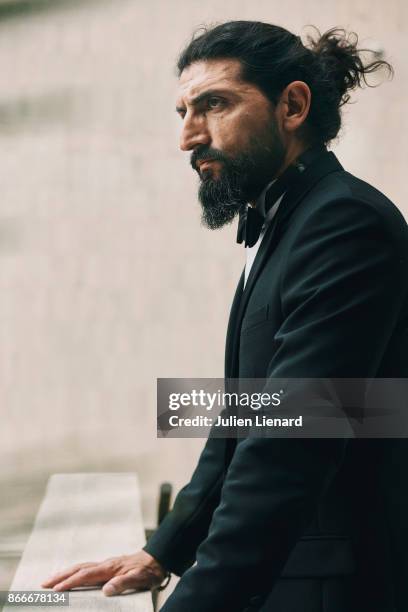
342,61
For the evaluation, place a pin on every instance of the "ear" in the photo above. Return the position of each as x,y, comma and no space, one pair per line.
295,105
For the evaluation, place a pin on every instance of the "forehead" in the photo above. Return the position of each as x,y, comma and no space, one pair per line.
210,74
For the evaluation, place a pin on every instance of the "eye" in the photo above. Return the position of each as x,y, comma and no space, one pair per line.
214,102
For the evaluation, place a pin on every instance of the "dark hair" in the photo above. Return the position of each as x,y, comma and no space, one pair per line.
272,57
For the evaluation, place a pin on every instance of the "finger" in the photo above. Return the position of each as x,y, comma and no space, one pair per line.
130,580
91,576
63,574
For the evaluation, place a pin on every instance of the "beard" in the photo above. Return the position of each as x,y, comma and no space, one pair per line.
241,178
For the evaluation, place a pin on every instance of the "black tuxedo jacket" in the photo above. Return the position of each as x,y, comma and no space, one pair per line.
306,525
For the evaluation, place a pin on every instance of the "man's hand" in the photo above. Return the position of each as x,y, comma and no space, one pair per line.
140,571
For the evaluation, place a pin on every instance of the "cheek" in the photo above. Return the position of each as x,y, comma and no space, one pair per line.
235,132
228,133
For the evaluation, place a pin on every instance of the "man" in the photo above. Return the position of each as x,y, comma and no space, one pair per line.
295,525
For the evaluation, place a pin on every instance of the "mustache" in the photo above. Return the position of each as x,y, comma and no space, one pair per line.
202,153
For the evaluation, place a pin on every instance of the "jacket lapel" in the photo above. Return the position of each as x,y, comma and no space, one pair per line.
232,326
326,163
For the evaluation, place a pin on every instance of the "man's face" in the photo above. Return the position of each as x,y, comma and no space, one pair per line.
230,127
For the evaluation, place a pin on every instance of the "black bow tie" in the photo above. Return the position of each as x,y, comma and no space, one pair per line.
249,226
251,220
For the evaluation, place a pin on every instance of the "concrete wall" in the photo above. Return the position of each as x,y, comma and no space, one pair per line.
107,279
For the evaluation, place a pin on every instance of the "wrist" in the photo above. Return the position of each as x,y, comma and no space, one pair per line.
155,567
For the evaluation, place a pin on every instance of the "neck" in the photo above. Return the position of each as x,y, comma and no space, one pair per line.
294,149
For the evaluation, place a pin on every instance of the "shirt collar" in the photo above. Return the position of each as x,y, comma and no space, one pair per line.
260,202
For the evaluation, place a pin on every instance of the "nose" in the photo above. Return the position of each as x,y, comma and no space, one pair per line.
194,133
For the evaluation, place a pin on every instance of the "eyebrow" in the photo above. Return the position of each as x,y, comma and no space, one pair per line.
201,97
